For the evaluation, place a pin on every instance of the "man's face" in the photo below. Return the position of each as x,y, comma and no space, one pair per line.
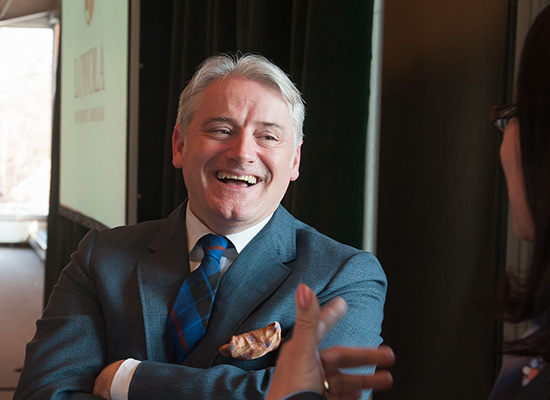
237,156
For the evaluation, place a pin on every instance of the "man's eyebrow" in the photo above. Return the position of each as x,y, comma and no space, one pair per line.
266,124
217,119
270,124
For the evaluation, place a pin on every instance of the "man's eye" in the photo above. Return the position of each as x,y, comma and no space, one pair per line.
220,131
270,137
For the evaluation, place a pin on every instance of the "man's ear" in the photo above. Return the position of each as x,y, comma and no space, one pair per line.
177,147
295,168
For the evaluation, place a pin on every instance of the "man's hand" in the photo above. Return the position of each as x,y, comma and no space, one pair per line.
300,367
103,382
349,386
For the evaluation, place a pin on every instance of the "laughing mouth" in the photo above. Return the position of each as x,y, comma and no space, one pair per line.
226,177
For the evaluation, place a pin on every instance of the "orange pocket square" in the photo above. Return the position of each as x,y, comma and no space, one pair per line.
255,344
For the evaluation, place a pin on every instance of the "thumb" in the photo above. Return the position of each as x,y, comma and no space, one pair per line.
308,314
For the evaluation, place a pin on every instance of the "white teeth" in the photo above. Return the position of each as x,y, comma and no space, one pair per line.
250,179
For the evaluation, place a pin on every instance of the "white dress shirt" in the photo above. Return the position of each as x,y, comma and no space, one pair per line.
195,230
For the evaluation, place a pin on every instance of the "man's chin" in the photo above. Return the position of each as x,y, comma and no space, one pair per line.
236,219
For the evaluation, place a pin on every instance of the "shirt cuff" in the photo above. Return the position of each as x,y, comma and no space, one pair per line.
122,379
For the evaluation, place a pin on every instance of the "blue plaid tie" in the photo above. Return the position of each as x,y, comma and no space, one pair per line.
189,316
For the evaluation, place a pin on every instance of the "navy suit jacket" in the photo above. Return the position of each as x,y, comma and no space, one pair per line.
113,299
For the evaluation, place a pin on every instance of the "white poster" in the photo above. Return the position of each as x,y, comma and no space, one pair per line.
94,91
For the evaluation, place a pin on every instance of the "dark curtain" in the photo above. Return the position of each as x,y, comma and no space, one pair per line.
326,49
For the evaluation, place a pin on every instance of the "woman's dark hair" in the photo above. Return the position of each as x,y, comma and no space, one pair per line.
530,297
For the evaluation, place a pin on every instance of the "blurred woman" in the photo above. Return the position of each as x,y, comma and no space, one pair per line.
525,158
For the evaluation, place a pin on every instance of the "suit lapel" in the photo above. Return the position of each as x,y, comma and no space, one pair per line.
256,273
160,275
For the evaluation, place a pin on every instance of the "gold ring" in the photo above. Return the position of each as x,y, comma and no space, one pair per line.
327,386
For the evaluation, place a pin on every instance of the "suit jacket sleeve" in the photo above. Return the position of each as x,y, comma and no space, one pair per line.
69,348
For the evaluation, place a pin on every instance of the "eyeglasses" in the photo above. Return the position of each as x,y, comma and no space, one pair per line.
500,115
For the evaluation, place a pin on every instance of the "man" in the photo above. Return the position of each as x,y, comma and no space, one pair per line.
237,140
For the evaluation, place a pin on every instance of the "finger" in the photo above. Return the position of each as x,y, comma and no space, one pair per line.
342,384
331,313
348,357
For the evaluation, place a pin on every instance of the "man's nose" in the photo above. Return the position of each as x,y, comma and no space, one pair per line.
242,147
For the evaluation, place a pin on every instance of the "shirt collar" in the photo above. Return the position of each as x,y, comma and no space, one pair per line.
196,229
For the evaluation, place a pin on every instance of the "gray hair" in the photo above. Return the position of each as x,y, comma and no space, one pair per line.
249,66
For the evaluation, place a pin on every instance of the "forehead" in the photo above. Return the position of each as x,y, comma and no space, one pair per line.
242,95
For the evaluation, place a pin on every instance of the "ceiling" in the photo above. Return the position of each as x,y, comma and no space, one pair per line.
28,12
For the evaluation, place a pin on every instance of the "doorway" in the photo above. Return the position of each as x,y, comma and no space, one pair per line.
27,67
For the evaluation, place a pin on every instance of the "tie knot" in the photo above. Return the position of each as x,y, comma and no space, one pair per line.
213,245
